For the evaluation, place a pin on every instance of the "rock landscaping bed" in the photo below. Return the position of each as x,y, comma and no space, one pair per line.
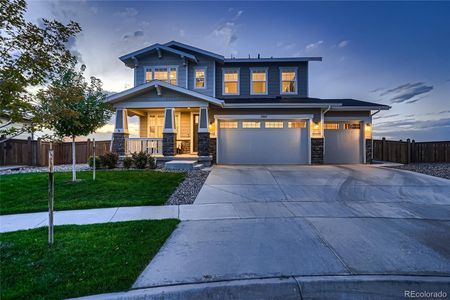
29,169
434,169
188,190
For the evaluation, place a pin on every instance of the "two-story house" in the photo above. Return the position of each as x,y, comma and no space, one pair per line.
196,104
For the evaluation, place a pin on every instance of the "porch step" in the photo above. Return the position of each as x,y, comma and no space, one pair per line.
180,165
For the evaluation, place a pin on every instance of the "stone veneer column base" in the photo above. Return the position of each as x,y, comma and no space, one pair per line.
213,150
317,151
368,151
119,143
203,144
169,144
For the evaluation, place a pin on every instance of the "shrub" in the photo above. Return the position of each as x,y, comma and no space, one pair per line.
109,160
151,162
97,162
127,162
140,159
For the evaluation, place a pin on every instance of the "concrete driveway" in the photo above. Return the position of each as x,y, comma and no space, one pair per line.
281,221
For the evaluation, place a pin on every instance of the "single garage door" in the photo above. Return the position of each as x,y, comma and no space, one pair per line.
342,143
263,142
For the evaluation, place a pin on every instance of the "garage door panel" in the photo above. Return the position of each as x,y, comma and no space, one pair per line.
263,145
342,146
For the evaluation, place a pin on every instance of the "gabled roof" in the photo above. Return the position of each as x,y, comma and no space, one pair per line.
273,59
137,90
195,49
157,47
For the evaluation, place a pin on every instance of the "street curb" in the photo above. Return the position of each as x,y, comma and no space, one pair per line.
300,287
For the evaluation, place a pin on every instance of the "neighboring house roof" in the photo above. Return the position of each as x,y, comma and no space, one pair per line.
195,49
341,104
158,48
156,84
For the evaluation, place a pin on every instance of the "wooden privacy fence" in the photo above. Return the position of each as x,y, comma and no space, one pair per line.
35,153
410,151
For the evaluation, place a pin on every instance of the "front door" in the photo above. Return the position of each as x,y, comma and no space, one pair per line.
195,130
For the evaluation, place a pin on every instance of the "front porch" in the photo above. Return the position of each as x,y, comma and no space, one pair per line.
180,133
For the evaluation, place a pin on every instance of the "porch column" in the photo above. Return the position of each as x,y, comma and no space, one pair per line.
203,133
316,130
169,132
120,135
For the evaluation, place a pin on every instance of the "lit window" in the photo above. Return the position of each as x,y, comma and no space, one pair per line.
228,124
352,126
289,81
274,124
231,82
331,126
173,76
251,124
259,82
297,124
162,73
148,75
200,79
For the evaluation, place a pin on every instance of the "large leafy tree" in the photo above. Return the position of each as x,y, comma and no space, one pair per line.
30,56
73,107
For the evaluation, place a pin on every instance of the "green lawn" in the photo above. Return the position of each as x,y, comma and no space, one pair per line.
84,260
21,193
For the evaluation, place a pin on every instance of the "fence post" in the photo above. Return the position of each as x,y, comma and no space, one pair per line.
413,151
408,151
383,149
38,152
3,150
88,149
29,151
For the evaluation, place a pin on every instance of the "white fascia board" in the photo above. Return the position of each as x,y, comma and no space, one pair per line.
140,88
263,117
348,118
281,105
155,47
195,49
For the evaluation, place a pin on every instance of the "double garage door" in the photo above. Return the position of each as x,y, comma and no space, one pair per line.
268,141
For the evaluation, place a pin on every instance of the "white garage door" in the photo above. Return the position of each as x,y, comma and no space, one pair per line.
263,142
342,143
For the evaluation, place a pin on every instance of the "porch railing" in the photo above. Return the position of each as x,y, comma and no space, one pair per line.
152,146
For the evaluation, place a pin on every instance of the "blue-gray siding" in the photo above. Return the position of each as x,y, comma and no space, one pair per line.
273,79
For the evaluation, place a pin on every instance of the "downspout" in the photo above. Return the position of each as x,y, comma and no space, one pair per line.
371,138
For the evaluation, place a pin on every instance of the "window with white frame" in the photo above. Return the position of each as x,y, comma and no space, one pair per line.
288,84
228,124
168,74
200,78
155,125
231,81
259,81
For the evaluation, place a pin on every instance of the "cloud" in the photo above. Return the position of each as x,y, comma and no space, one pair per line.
238,15
386,117
285,46
407,93
227,32
313,46
343,44
72,46
128,12
136,34
182,33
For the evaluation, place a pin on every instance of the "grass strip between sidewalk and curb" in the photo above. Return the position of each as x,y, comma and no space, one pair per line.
84,260
23,193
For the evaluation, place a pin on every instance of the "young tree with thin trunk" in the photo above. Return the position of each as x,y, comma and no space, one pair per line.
72,107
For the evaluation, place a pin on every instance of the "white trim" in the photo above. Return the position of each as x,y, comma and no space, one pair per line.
214,80
363,141
187,75
200,129
191,124
357,108
308,129
348,118
205,69
265,69
263,117
140,88
238,82
281,69
201,51
159,104
279,105
158,48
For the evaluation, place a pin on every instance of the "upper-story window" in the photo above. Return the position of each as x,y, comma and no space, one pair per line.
231,81
168,74
288,83
259,81
200,78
